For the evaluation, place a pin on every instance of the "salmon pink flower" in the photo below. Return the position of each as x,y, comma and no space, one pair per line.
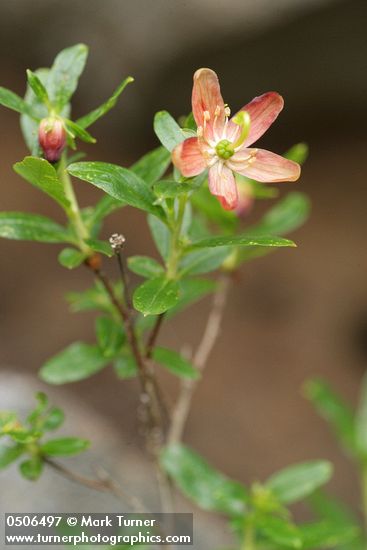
52,138
222,144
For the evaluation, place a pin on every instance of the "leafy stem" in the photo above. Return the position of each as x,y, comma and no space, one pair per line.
364,492
73,211
175,246
248,542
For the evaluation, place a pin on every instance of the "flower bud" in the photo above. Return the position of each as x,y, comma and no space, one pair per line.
245,200
52,138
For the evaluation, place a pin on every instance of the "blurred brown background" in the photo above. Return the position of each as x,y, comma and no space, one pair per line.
295,314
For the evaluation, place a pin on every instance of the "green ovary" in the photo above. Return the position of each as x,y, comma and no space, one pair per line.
224,149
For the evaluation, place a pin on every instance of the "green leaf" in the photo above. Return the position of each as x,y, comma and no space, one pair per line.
110,336
198,481
31,469
125,366
119,182
65,446
192,290
90,118
280,531
211,208
40,173
8,420
20,435
169,189
54,419
297,153
94,298
161,235
287,215
71,258
38,88
13,101
28,125
77,131
156,296
103,208
76,362
335,513
325,534
203,261
167,130
175,363
331,509
299,480
332,408
241,240
22,226
153,165
41,407
259,190
361,420
102,247
9,454
189,122
145,266
64,74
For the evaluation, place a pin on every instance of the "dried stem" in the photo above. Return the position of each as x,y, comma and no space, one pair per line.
150,397
104,483
188,387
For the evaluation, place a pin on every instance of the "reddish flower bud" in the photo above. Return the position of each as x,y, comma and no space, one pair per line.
245,200
52,138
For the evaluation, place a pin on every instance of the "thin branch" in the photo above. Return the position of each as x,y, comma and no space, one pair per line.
150,345
153,336
124,277
151,398
103,483
188,387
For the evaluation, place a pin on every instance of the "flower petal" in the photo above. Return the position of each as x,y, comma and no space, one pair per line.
263,110
188,158
264,166
223,185
206,96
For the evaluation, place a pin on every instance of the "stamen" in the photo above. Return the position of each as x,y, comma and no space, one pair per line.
206,116
216,115
227,111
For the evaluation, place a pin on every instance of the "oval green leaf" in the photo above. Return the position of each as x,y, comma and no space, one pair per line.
22,226
65,446
71,258
31,469
153,165
242,240
76,362
156,296
64,74
299,480
119,182
42,175
145,266
205,486
175,363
